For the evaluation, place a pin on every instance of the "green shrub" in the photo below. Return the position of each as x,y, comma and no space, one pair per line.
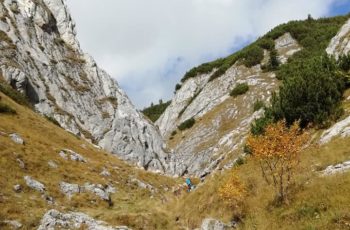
253,56
177,87
4,108
155,111
258,105
173,133
187,124
240,161
311,93
267,43
52,120
239,90
273,63
259,125
13,94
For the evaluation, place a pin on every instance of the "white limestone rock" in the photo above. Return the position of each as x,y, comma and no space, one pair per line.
339,168
73,156
52,164
15,224
54,219
17,138
105,173
99,190
340,44
143,185
34,184
69,189
341,128
17,188
213,224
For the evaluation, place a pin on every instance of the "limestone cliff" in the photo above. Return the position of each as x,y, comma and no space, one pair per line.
41,57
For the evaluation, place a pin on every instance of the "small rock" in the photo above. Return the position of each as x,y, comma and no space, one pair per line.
63,155
105,172
143,185
99,190
21,163
17,188
72,155
52,164
17,139
36,185
69,189
49,199
3,134
13,223
212,224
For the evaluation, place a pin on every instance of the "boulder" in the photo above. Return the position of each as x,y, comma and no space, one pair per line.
34,184
54,219
69,189
67,153
52,164
213,224
17,138
339,168
14,224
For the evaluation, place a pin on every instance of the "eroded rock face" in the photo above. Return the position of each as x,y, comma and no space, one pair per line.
41,57
339,168
340,44
341,129
222,122
54,219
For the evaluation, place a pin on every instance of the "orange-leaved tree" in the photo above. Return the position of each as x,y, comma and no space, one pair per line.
278,151
233,190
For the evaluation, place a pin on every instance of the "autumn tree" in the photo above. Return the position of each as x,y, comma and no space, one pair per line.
233,190
278,151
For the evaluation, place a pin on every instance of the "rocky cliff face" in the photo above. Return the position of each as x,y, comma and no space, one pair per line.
340,45
41,57
222,122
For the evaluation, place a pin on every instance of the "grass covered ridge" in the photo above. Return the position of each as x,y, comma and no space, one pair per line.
312,35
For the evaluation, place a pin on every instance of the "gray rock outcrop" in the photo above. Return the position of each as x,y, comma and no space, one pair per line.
339,168
222,123
341,129
212,224
99,190
14,224
73,156
54,219
340,44
34,184
41,58
17,138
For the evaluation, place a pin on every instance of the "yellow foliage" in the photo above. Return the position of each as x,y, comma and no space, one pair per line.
233,191
278,153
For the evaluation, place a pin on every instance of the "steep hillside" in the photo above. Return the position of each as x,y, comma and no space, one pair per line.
41,58
223,121
54,169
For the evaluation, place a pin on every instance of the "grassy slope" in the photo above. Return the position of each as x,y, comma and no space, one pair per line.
317,202
132,206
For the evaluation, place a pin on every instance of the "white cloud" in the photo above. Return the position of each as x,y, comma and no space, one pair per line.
148,45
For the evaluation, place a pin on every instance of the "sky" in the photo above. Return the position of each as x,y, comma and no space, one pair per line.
148,45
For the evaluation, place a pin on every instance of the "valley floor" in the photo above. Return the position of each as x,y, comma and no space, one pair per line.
143,200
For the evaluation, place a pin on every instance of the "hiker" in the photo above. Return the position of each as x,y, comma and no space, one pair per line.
189,184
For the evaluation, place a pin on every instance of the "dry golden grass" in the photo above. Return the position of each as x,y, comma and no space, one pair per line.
316,203
43,141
